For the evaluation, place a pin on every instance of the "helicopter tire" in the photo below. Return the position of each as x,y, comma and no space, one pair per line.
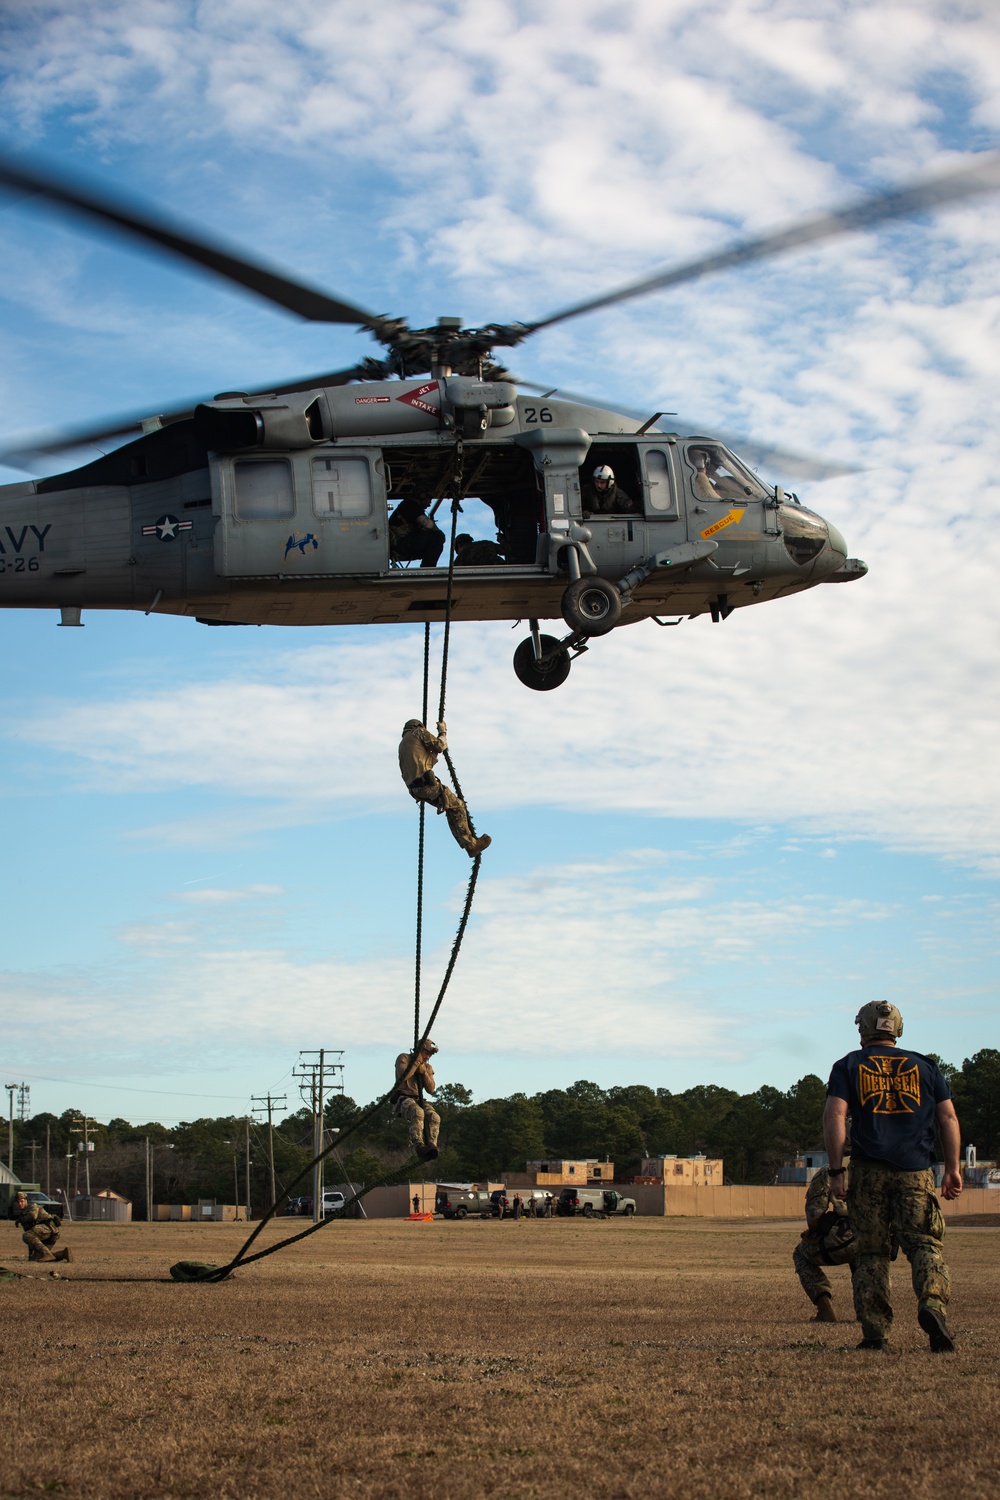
541,678
592,606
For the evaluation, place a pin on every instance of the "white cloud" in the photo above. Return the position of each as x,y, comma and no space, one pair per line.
541,972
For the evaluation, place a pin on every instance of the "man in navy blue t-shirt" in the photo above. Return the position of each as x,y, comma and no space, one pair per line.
894,1100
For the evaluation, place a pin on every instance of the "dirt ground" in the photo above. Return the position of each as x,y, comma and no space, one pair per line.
641,1358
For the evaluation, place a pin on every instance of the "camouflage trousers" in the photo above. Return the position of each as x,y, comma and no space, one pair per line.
884,1204
420,1118
40,1241
809,1259
429,789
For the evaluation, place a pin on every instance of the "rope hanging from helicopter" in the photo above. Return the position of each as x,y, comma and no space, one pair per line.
242,1256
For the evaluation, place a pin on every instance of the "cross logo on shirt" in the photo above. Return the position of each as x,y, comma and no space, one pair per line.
893,1085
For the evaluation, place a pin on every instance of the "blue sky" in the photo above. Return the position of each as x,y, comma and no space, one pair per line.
713,843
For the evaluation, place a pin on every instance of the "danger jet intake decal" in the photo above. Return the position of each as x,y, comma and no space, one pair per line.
416,398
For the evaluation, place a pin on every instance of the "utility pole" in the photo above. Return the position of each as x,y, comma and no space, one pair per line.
248,1167
33,1147
149,1187
313,1084
48,1158
259,1102
10,1087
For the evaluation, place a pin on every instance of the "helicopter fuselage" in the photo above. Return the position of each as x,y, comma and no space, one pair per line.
276,511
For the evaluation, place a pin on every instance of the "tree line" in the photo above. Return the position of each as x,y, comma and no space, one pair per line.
753,1133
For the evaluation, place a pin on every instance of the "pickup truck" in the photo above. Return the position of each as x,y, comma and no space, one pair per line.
594,1203
459,1203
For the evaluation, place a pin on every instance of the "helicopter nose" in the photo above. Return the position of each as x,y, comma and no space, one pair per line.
837,541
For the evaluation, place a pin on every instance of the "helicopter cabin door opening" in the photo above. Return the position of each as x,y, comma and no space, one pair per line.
320,512
502,476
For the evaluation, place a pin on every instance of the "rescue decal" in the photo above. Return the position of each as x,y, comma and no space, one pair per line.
416,398
301,541
371,400
892,1085
166,528
732,519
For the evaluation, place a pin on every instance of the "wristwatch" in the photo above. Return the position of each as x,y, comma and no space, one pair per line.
837,1171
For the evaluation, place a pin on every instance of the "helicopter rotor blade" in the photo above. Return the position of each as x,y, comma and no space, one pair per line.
143,224
983,176
759,455
131,426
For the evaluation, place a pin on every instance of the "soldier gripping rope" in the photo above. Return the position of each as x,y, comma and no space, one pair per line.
418,753
40,1229
828,1241
894,1099
413,1080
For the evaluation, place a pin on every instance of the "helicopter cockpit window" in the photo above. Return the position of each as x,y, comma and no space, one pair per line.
717,476
341,487
264,490
804,533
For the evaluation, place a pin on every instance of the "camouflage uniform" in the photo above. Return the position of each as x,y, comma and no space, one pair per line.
883,1203
829,1240
422,1118
40,1230
418,753
891,1095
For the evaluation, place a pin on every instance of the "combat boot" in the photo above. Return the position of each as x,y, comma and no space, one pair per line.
65,1254
931,1320
479,845
428,1153
40,1254
824,1310
877,1346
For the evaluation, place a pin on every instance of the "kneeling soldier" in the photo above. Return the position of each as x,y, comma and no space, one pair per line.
40,1229
412,1080
829,1241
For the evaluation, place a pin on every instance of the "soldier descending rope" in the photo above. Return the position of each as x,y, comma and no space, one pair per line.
418,753
414,1078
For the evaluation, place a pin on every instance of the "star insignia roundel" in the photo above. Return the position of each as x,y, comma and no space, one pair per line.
166,528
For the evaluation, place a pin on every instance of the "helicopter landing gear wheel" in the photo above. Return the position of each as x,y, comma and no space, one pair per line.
592,606
547,673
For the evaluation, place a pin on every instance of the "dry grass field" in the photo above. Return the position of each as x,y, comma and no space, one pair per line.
644,1358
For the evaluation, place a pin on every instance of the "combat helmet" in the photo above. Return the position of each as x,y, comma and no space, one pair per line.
878,1019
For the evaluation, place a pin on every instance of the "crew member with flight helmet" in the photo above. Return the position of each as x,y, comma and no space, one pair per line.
894,1099
418,753
827,1241
40,1229
413,1080
602,493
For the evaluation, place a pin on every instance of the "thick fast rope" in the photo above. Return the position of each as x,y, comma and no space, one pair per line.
242,1258
420,857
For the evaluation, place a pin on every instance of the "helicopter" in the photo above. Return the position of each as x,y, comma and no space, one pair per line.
280,506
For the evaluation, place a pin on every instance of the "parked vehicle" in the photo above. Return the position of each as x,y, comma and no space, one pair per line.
333,1202
459,1203
594,1203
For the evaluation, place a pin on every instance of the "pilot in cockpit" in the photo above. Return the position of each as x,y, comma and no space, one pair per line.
714,481
602,495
